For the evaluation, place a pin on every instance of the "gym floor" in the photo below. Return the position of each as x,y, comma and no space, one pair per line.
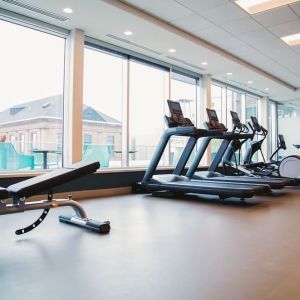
158,248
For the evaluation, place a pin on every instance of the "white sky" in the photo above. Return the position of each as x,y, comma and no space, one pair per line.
31,64
32,67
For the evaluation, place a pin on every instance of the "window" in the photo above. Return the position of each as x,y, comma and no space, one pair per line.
12,139
183,90
31,91
251,107
149,91
289,119
104,93
22,143
33,141
235,102
226,99
272,125
216,100
59,142
110,142
87,139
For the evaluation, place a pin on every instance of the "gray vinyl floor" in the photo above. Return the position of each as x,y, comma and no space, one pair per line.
158,249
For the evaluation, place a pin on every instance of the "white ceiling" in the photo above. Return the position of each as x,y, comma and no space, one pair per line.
254,39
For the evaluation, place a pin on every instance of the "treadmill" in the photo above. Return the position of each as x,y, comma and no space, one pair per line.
227,138
179,184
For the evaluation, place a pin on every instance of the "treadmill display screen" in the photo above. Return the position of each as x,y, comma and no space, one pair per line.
212,114
175,107
235,117
254,121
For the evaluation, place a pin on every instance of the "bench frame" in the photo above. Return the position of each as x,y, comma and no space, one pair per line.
19,204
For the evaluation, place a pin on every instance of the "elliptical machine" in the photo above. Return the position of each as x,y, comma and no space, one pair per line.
247,165
289,167
255,146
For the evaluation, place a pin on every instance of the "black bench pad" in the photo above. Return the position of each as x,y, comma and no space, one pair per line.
3,193
49,180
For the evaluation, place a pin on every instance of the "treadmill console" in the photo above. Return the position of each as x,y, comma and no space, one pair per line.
214,121
281,142
177,118
236,120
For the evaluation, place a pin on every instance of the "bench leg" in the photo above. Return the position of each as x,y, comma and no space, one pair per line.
81,219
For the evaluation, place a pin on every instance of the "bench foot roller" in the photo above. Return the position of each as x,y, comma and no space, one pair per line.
93,225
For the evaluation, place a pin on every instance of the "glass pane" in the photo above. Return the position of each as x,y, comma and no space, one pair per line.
102,108
216,100
149,87
217,94
31,97
251,107
289,119
185,92
234,103
272,126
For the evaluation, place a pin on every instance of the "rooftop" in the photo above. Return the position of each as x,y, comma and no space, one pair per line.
50,107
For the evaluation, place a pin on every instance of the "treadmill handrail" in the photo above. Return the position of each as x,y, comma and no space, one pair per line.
182,131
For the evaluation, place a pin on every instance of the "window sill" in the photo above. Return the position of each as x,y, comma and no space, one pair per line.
101,171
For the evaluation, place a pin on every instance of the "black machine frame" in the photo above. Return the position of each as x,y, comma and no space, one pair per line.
20,192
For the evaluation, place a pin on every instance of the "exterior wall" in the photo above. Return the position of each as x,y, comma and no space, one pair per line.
48,131
100,132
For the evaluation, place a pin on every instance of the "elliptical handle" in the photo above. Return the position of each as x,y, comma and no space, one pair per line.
245,128
264,130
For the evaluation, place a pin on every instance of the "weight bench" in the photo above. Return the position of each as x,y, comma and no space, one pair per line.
45,183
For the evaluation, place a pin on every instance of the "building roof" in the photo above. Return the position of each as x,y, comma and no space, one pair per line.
50,107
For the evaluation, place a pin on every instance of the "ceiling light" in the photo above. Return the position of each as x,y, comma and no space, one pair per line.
266,89
250,82
67,10
172,50
128,32
229,73
292,40
204,63
256,6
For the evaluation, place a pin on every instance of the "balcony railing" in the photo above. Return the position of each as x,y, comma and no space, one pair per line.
49,155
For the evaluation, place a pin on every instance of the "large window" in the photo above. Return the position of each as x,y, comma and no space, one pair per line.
31,97
149,91
288,123
251,109
125,100
225,99
102,107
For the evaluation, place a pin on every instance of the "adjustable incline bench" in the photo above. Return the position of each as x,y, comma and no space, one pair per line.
45,183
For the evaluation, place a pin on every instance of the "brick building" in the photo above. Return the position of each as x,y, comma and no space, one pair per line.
38,125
